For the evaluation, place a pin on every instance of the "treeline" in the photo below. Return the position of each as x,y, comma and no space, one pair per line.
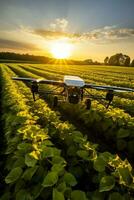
23,57
119,59
15,57
83,62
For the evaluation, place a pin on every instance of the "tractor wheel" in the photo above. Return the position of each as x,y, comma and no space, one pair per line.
88,104
55,101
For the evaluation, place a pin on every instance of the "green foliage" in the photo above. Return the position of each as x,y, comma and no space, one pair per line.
83,154
50,179
115,195
54,158
107,183
78,195
123,133
30,161
23,195
100,164
69,179
57,195
96,195
27,175
125,175
13,175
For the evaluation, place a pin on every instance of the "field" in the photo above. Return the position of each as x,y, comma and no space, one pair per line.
66,153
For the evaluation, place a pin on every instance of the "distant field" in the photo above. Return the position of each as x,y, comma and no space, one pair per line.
70,151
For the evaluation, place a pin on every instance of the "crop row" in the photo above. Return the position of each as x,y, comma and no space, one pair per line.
110,70
126,104
90,72
112,126
35,167
91,77
82,159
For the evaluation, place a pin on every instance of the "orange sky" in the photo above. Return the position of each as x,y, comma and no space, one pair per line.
96,44
95,29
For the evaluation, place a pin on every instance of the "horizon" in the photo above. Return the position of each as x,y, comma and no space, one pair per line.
87,29
64,60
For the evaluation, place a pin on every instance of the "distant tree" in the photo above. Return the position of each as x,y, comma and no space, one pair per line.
106,60
119,59
23,57
124,60
132,63
88,61
96,63
114,60
127,61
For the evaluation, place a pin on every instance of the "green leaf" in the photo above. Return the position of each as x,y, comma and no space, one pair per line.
62,187
78,195
19,185
78,139
116,195
24,147
59,168
106,183
105,156
123,133
58,160
96,195
47,152
70,179
77,134
30,161
27,175
23,195
82,154
48,143
50,179
99,164
10,149
13,175
50,152
72,149
36,190
125,175
57,195
20,162
40,174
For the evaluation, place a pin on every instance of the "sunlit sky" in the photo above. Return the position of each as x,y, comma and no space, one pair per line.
95,28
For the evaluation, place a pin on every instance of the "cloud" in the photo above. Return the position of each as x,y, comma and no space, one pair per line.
106,34
39,38
58,30
59,24
52,35
17,45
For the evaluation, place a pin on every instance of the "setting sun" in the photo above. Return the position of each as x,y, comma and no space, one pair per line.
61,49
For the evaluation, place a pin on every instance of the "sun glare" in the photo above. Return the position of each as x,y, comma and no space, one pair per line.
61,49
